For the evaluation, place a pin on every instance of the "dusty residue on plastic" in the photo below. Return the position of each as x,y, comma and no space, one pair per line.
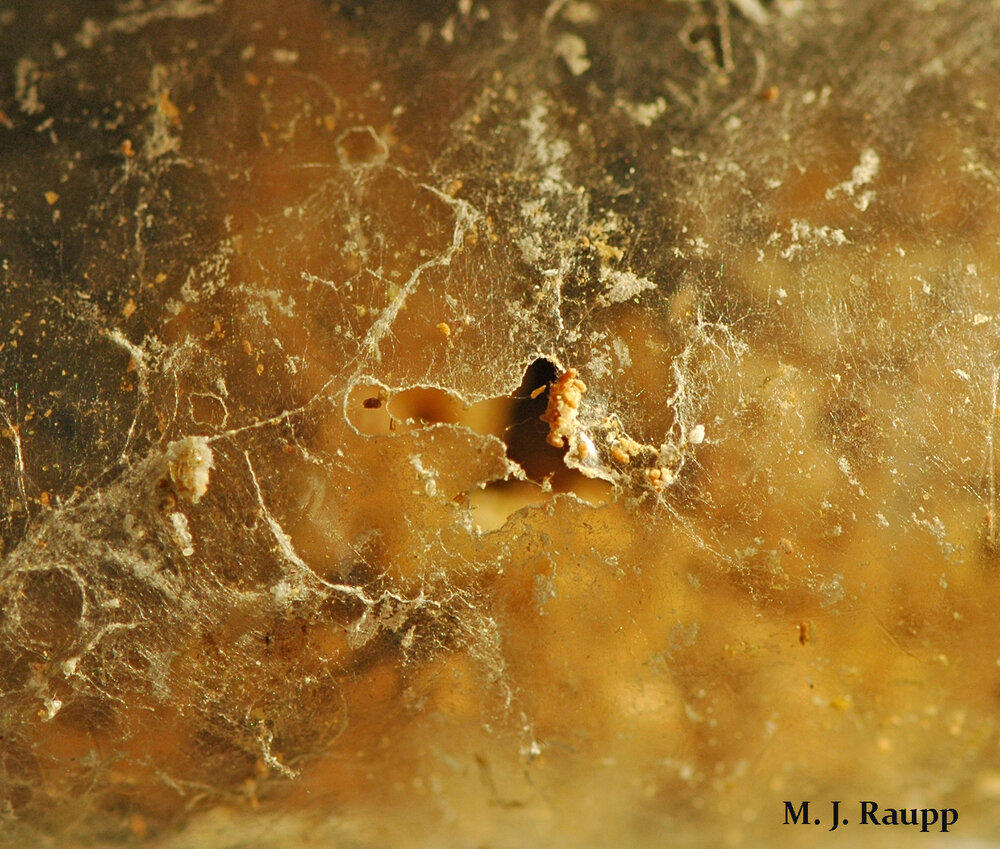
487,423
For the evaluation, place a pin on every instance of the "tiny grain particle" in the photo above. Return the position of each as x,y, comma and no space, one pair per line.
260,368
625,449
129,308
444,329
770,94
127,148
138,826
51,197
660,477
247,347
538,390
43,499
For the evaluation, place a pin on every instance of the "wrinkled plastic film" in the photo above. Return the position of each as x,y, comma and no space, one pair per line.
428,425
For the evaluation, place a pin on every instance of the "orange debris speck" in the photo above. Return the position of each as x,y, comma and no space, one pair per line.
168,108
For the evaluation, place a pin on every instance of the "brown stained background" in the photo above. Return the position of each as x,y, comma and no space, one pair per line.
342,245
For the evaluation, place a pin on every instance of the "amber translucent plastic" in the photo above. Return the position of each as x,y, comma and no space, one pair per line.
497,423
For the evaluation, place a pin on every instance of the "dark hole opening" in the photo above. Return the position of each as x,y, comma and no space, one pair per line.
525,433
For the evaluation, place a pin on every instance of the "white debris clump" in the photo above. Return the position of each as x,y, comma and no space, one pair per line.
622,286
182,533
573,51
863,173
189,464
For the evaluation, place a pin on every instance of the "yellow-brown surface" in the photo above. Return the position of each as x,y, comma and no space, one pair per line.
501,425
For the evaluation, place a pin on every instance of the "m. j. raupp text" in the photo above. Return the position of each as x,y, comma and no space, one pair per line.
869,813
